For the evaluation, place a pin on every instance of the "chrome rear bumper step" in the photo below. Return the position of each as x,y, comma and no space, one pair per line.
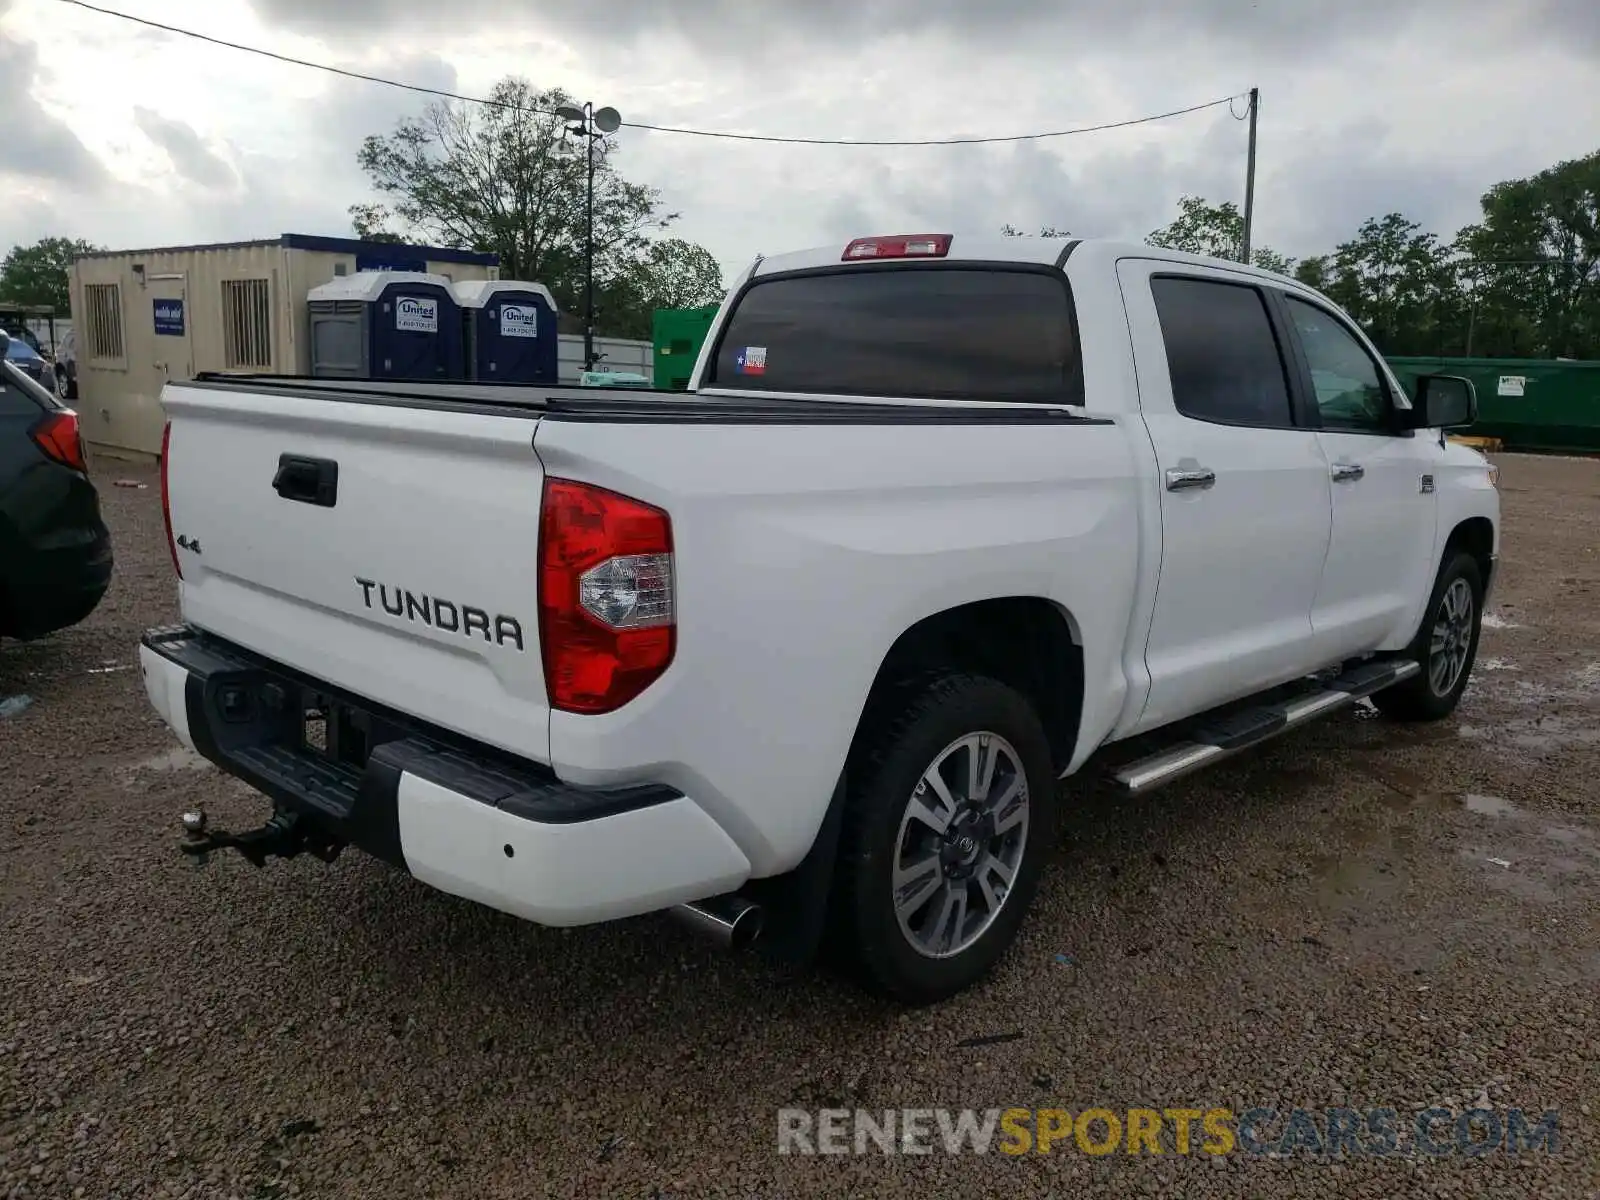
1212,741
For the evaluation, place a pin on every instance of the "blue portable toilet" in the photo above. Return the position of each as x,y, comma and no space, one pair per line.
385,325
510,329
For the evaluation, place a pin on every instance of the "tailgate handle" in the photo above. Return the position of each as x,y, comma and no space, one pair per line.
308,480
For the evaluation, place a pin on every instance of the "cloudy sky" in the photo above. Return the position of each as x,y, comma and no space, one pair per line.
132,137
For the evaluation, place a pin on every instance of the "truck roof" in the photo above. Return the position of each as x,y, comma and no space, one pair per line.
987,248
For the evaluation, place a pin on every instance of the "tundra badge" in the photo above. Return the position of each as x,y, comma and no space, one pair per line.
439,613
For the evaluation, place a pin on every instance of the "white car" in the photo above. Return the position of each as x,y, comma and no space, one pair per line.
807,648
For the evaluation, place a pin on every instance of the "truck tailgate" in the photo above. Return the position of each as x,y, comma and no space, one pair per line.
390,550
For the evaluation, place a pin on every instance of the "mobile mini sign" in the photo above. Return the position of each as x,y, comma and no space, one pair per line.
416,315
168,315
519,320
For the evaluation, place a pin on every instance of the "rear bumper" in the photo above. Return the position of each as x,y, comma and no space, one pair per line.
464,819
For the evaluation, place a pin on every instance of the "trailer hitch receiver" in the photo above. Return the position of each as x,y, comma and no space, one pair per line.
283,836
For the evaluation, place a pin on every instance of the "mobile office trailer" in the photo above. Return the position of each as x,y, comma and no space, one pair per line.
146,317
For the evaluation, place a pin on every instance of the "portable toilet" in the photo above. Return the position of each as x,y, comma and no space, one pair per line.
510,331
385,325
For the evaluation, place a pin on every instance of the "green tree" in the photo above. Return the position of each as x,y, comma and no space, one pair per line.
508,178
371,223
1533,264
37,275
669,273
1314,272
673,273
1400,283
1045,231
1216,230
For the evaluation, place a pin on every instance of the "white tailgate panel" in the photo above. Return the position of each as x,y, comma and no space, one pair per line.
437,510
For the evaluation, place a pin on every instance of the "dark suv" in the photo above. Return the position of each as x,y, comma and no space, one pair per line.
55,551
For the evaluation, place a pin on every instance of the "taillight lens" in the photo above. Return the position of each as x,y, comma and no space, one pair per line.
166,500
60,438
607,608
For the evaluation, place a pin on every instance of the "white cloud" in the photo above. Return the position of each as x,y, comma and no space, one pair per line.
132,137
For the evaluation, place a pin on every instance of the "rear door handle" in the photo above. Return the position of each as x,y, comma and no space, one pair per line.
1183,481
1347,472
307,480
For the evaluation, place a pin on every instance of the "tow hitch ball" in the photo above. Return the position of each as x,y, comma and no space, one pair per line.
281,837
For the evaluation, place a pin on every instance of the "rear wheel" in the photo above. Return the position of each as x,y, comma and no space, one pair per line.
1445,647
945,837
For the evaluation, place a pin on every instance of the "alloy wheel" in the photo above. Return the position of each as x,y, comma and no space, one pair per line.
960,844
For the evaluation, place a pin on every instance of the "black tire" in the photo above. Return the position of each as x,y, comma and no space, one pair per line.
1420,698
930,719
66,388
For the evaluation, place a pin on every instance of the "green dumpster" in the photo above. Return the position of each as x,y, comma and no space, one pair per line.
1527,403
678,334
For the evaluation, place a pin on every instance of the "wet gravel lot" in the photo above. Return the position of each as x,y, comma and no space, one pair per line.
1361,915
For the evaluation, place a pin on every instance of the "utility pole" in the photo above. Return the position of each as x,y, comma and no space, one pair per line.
1250,177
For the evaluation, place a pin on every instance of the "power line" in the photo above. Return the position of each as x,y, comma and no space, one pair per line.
705,133
955,141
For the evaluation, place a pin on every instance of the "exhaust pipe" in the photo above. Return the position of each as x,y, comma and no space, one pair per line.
731,921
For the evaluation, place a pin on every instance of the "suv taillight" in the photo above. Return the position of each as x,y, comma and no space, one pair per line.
607,611
59,437
166,500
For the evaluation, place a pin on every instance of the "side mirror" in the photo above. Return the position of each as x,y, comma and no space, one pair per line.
1445,402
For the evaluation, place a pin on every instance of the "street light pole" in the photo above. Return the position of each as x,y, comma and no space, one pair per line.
592,126
588,244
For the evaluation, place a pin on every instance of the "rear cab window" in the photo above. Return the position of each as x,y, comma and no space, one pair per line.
959,332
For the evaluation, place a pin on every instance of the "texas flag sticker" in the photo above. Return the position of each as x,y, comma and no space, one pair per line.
752,360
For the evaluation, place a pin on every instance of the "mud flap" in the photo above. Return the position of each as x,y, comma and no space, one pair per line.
796,902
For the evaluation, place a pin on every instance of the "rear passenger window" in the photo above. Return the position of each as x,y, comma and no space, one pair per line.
1222,353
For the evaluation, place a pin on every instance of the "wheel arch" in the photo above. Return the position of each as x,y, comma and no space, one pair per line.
1029,643
1475,536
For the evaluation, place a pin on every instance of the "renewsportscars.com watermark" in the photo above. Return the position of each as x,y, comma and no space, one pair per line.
1264,1132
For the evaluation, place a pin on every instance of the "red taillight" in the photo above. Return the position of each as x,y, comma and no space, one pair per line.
901,245
607,610
166,500
59,437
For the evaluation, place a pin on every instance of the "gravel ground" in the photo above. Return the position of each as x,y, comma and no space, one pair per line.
1361,914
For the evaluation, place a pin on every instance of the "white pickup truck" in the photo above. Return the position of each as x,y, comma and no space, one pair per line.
806,650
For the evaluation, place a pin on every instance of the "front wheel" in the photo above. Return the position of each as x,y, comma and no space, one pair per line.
1445,647
945,837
